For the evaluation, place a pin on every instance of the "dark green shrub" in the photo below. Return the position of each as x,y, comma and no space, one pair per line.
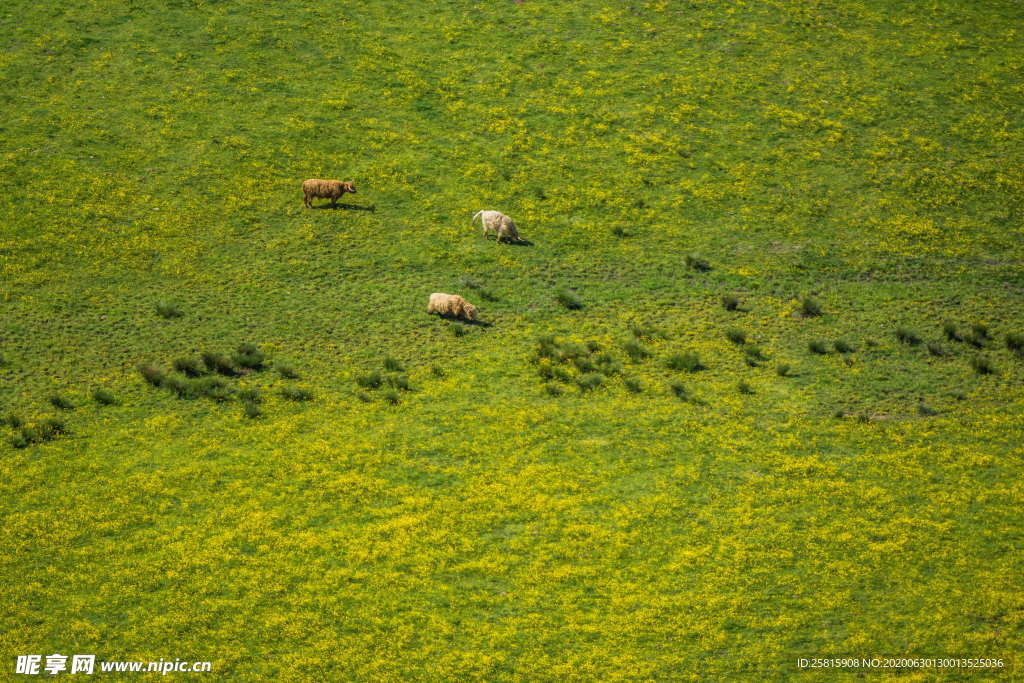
983,365
250,395
754,352
936,350
642,331
179,386
633,385
61,402
584,363
607,364
20,441
979,331
168,311
1015,343
593,346
907,336
782,370
211,387
52,427
689,362
398,382
952,334
190,367
104,397
392,365
252,409
370,380
744,387
730,303
437,371
4,361
249,356
286,371
680,391
843,346
13,421
924,410
635,350
809,308
296,394
220,364
390,396
569,299
736,336
152,374
697,263
589,381
553,390
817,346
619,231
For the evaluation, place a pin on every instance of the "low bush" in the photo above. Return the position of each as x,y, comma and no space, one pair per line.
907,336
216,362
190,367
936,350
952,334
633,385
369,380
104,397
589,381
168,311
392,365
730,303
697,263
843,346
983,365
817,346
744,387
689,362
782,370
810,308
736,336
569,299
296,394
152,374
61,402
249,356
635,350
286,371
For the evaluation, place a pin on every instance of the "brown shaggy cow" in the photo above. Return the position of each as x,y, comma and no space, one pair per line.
325,189
451,306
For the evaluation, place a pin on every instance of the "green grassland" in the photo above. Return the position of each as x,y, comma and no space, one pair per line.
529,507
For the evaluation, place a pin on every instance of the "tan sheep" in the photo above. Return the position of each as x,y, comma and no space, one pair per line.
315,188
498,223
451,306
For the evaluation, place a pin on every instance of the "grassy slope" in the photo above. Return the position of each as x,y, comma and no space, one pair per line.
866,154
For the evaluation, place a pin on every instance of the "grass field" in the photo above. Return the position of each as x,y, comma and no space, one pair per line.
700,492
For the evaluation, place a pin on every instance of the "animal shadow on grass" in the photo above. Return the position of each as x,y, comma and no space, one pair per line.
468,323
347,207
518,243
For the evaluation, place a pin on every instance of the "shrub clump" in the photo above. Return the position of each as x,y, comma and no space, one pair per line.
61,402
736,336
689,361
817,346
1015,343
952,334
907,336
843,346
296,394
754,353
392,365
635,350
643,331
249,356
983,365
936,350
104,397
286,371
744,387
152,374
220,364
633,385
810,308
696,263
782,370
370,380
730,303
589,381
190,367
168,311
569,299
